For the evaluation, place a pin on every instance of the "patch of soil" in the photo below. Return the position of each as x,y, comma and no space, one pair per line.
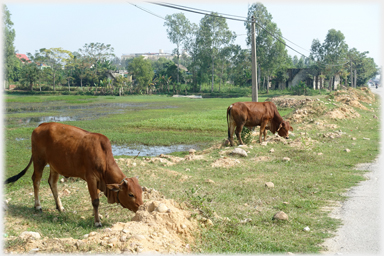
345,112
225,162
160,225
303,142
353,97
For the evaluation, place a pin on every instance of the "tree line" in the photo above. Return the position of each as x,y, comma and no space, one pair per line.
206,49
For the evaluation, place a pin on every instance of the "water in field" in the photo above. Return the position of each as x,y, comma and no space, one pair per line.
68,112
149,150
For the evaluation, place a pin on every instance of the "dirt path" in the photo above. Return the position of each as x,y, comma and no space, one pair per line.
361,214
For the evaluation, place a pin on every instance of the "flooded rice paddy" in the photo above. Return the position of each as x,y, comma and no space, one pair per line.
33,114
63,113
149,150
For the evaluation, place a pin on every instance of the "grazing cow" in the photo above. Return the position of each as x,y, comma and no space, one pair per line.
251,114
74,152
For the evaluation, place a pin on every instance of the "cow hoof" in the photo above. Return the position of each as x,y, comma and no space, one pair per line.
98,224
38,209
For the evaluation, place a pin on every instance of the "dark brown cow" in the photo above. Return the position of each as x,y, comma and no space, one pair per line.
74,152
252,114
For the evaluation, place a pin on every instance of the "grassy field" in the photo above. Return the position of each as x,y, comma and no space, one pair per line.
317,175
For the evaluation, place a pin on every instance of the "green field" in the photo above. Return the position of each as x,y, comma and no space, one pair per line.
307,183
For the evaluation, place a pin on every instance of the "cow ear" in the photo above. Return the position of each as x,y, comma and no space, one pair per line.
114,187
281,125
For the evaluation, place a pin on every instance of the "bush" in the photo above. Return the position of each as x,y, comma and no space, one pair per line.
246,136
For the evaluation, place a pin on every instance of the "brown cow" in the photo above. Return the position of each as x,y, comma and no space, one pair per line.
252,114
74,152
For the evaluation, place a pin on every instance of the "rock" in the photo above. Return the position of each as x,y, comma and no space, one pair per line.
192,151
139,237
347,150
319,154
92,233
66,192
280,216
29,235
187,169
264,143
226,143
209,181
62,180
113,240
239,151
366,139
286,159
80,244
272,150
307,229
162,208
269,185
209,223
286,203
34,250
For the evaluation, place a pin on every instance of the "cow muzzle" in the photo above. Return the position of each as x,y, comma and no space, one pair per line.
287,137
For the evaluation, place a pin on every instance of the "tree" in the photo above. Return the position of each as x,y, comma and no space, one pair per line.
55,59
178,26
96,54
335,50
30,74
270,47
11,62
141,71
214,35
241,67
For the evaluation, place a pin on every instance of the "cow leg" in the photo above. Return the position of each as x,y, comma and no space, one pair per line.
262,131
93,191
53,178
265,133
238,130
38,167
231,129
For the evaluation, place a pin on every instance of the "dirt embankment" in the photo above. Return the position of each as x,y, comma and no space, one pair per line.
159,226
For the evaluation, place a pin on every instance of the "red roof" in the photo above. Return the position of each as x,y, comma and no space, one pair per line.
22,57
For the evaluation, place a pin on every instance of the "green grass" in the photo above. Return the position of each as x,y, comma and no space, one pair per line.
307,182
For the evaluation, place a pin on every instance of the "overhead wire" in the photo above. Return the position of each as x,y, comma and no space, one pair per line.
230,18
225,16
246,20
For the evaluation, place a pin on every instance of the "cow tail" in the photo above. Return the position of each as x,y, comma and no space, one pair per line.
228,114
18,176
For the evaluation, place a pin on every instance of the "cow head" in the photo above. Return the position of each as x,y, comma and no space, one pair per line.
284,129
129,193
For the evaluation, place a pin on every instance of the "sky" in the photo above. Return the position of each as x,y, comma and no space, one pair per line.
128,29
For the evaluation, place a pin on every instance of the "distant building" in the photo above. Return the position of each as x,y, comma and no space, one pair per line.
295,75
113,74
151,56
24,58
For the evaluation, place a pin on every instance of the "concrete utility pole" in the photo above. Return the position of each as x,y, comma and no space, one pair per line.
351,74
254,63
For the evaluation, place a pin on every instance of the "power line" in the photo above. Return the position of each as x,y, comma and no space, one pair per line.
147,11
236,19
246,20
243,19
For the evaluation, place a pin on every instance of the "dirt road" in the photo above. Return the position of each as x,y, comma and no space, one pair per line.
360,233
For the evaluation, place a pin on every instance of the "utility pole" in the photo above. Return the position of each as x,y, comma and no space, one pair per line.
254,63
351,76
